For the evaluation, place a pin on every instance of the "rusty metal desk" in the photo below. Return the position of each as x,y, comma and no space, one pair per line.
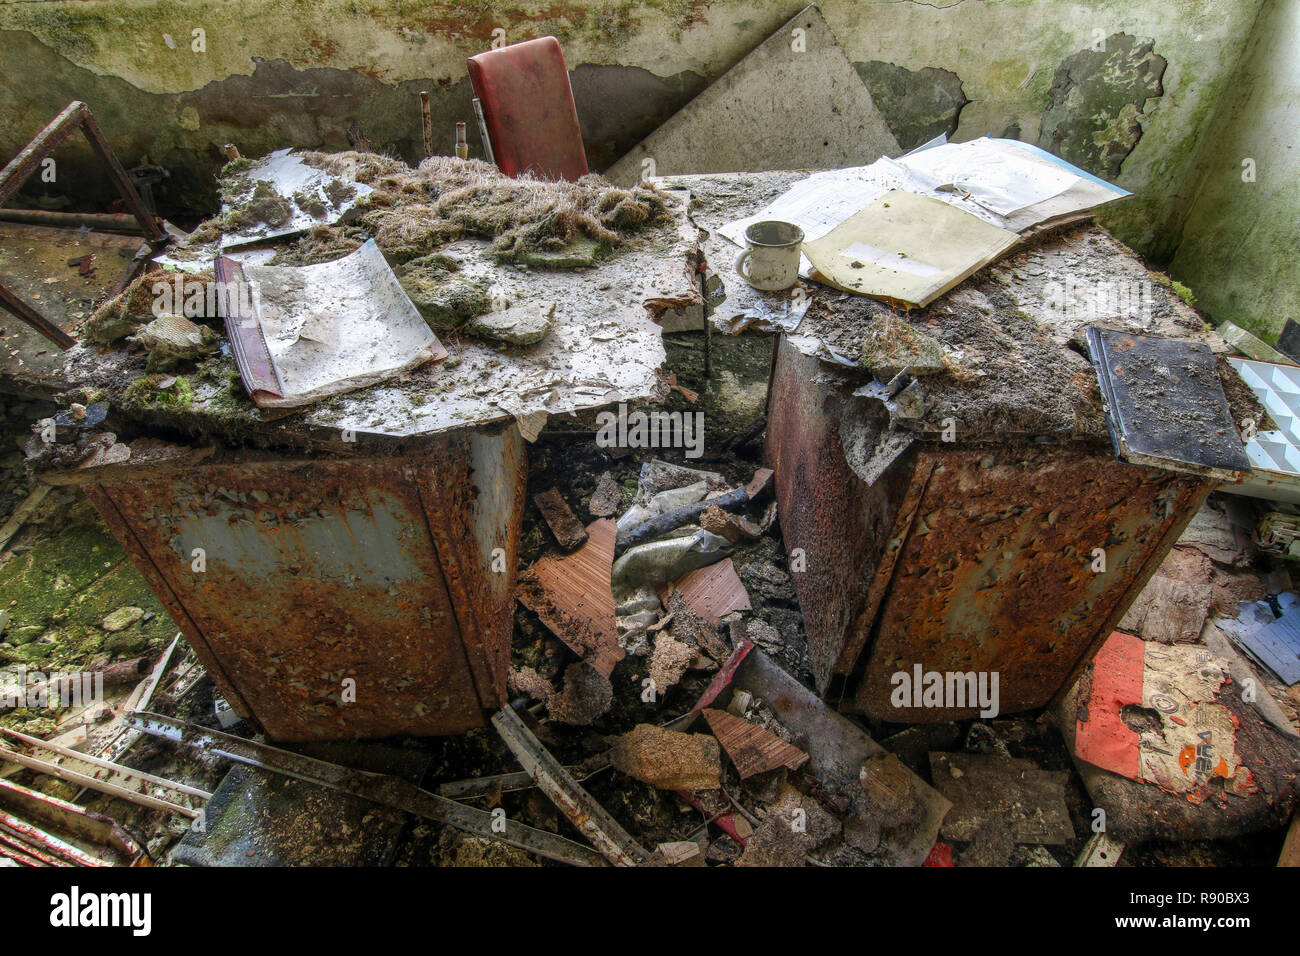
952,523
348,571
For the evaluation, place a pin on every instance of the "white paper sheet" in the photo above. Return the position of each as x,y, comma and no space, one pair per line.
336,326
999,178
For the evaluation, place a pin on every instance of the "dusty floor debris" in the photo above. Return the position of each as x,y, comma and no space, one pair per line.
663,675
667,759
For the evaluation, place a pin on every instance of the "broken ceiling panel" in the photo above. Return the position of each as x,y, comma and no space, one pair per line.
798,71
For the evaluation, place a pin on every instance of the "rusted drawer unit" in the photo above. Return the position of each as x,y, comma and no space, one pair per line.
958,559
338,599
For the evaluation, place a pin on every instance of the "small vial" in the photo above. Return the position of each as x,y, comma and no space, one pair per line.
462,147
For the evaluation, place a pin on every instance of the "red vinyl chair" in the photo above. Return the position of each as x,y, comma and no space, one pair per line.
526,111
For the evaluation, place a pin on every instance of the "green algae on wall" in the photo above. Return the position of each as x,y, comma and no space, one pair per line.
1239,246
315,74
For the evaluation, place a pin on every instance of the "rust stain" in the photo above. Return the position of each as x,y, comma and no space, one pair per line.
997,574
298,595
975,558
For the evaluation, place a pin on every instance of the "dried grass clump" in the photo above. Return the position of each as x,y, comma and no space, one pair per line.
320,244
418,211
364,168
414,212
131,308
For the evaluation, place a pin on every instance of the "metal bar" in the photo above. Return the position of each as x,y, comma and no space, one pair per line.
591,819
11,303
103,786
708,325
70,818
24,852
1100,850
483,136
509,782
103,221
485,786
22,166
21,857
108,765
28,833
75,115
153,232
377,788
125,740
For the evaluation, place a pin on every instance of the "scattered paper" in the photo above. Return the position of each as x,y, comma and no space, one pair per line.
1001,178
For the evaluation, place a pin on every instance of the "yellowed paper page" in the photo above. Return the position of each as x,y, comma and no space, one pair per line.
906,248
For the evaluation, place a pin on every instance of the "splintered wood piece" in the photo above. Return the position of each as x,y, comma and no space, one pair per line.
572,596
762,478
1168,611
712,592
560,518
751,748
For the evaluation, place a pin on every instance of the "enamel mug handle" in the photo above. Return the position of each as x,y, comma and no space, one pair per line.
740,262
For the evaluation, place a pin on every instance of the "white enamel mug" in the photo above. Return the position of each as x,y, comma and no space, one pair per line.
771,260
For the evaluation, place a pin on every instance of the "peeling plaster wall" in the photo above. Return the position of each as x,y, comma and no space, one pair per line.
303,73
1240,242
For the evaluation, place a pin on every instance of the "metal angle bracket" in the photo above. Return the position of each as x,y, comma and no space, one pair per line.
377,788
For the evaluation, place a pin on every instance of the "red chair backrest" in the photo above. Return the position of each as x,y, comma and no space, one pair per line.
528,109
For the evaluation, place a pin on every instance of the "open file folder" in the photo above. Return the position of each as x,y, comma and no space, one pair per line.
300,334
1012,186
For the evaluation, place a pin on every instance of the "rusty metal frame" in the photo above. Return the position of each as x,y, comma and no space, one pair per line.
377,788
1196,500
69,818
898,570
1187,494
75,116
